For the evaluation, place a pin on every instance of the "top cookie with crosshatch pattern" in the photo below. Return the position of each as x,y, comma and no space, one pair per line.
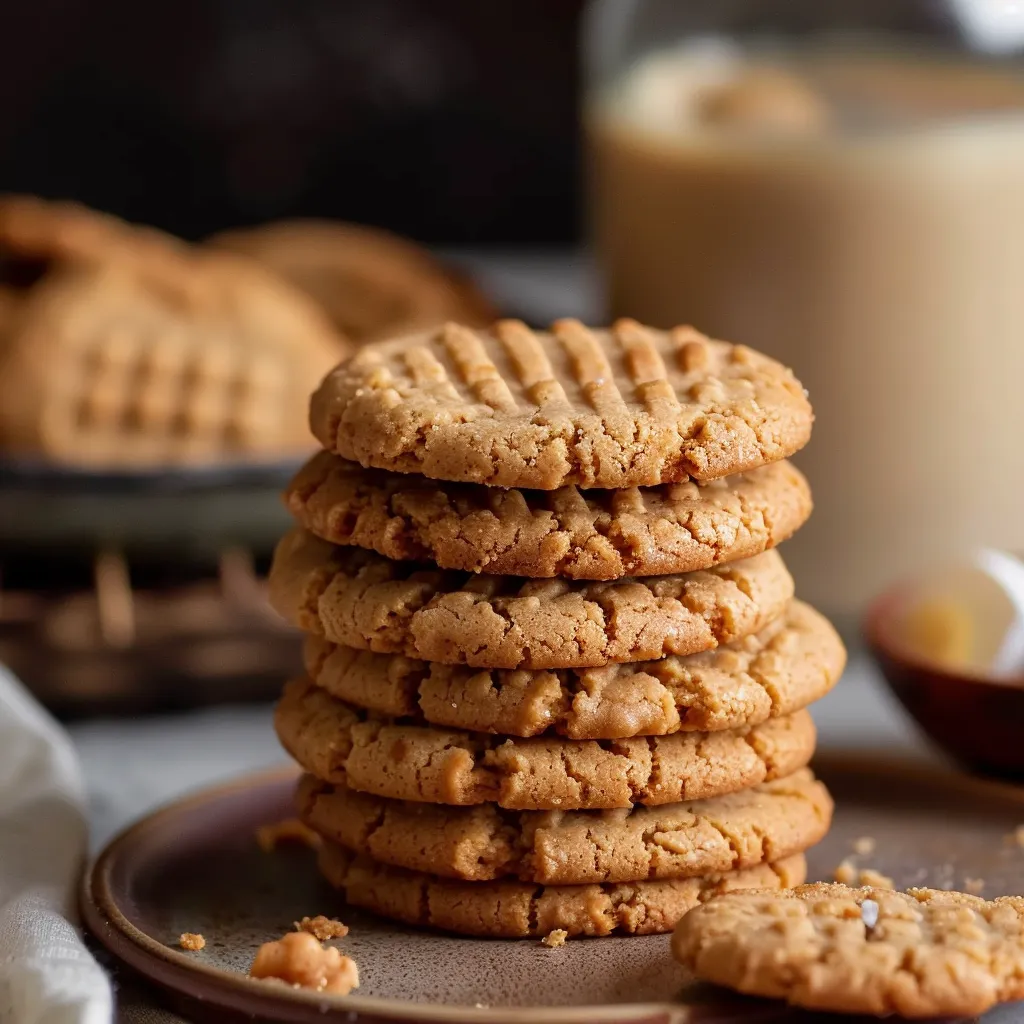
626,406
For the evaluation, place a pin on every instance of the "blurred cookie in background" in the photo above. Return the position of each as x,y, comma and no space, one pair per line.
126,348
371,283
36,233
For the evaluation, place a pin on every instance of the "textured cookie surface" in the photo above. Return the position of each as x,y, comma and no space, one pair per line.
518,910
337,742
360,599
683,840
920,953
592,534
371,283
790,663
512,407
127,350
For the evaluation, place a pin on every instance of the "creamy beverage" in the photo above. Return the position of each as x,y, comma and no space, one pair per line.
860,218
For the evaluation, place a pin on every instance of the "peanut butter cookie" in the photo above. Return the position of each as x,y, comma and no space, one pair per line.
792,662
336,742
512,407
517,910
594,534
110,365
919,953
362,600
727,833
371,283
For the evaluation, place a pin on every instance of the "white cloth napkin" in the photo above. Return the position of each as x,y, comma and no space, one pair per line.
47,976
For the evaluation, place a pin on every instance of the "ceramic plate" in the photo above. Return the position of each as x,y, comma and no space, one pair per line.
195,867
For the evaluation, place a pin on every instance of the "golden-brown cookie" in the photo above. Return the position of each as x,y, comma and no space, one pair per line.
371,283
119,364
361,599
512,407
920,953
792,662
727,833
35,232
594,534
339,743
518,910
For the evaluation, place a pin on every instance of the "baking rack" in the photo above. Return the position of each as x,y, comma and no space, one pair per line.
142,592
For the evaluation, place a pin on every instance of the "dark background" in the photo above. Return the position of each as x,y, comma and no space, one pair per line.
453,121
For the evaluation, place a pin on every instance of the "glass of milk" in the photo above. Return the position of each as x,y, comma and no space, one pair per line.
842,186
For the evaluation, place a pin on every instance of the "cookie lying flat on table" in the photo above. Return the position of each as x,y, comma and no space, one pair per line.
371,283
792,662
517,910
513,407
363,600
920,953
592,534
336,742
727,833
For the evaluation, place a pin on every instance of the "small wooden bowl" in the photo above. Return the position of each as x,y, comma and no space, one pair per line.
977,721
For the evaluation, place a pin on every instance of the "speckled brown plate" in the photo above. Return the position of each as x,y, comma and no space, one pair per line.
194,866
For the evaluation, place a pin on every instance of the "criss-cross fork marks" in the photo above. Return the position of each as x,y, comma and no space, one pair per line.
607,370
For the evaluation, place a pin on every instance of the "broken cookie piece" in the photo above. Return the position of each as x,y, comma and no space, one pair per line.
299,960
323,928
919,953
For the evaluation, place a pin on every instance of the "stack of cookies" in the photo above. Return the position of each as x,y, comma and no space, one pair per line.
556,677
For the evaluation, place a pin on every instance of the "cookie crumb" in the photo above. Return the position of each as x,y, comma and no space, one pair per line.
974,885
321,927
192,941
847,873
1016,837
298,959
864,846
555,938
869,876
290,830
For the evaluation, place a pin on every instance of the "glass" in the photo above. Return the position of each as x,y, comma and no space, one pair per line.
841,186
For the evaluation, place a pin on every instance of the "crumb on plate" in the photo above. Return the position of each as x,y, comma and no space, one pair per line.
192,941
845,873
290,830
848,873
323,928
869,876
974,885
1016,837
864,846
555,938
299,960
